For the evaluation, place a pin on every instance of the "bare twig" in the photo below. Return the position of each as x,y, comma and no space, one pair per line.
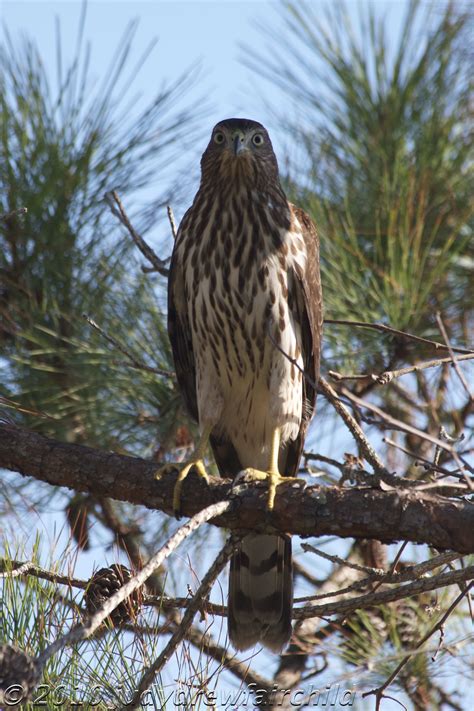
402,425
227,659
388,329
345,607
390,578
379,691
118,210
15,568
85,630
366,448
172,221
393,565
458,370
134,362
307,547
163,602
389,375
180,633
430,466
315,457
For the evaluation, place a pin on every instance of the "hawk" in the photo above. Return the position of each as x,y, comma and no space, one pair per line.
244,305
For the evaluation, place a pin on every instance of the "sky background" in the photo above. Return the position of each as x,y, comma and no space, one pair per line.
193,33
207,34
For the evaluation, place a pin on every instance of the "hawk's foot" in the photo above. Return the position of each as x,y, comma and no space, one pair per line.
274,479
184,470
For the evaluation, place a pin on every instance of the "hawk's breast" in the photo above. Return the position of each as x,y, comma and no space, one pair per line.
240,294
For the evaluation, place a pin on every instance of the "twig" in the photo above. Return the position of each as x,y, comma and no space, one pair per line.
30,568
118,210
458,370
366,448
14,213
135,363
379,691
223,656
167,603
300,570
390,578
307,547
393,565
85,630
388,375
172,221
314,457
402,425
180,633
163,602
345,607
440,642
396,332
430,466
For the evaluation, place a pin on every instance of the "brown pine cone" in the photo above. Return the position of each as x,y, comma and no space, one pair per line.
19,675
103,584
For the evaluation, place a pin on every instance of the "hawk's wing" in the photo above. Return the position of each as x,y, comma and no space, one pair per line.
180,335
305,298
179,331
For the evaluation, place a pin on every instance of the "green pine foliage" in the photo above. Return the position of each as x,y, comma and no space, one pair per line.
61,148
385,165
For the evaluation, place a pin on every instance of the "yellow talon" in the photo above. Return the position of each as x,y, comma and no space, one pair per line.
199,466
274,480
272,474
196,461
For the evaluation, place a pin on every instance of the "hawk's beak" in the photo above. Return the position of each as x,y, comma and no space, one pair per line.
238,144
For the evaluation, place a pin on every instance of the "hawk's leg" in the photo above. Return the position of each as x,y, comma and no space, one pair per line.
195,460
272,474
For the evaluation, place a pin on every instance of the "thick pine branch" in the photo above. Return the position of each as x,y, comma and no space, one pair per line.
360,512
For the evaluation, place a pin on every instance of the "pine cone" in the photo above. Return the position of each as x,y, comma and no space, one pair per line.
103,584
19,675
408,624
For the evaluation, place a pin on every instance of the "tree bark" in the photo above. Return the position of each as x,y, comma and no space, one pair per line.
403,513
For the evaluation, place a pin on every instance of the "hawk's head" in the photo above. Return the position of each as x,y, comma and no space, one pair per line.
240,149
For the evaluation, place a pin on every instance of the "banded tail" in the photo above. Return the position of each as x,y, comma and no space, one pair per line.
261,592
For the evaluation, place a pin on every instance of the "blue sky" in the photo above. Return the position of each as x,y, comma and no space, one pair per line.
189,33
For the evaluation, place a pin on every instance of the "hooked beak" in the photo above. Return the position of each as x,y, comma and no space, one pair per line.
238,143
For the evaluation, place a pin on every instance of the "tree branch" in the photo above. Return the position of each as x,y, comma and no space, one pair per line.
83,631
177,637
396,332
361,602
400,513
458,370
379,692
117,209
388,375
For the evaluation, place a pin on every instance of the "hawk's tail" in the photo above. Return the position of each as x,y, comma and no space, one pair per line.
261,592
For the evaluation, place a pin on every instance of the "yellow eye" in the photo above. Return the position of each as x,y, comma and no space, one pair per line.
219,137
258,139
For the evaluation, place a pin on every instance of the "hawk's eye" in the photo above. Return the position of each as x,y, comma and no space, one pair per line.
258,139
219,137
